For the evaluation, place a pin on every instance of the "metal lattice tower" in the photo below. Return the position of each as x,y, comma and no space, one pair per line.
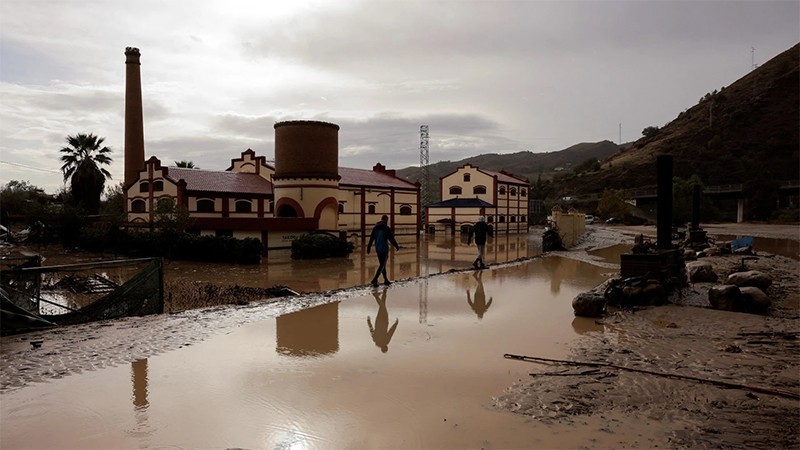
424,173
425,200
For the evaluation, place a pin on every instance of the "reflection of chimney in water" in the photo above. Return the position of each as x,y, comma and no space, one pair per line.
134,120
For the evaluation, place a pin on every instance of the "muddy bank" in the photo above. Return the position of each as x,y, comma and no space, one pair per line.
689,339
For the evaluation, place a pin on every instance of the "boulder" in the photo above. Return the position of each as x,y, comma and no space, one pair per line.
701,271
653,293
589,304
726,297
689,254
755,299
752,278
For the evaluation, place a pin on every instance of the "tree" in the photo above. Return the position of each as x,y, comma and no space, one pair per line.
651,131
185,164
21,199
611,204
82,167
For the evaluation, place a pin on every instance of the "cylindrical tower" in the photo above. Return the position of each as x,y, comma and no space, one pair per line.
306,149
134,120
306,179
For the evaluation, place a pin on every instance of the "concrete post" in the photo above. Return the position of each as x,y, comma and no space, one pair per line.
664,226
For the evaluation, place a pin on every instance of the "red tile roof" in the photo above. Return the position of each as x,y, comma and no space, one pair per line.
214,181
364,177
504,177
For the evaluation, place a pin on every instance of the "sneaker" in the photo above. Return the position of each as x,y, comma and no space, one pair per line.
386,282
483,266
374,283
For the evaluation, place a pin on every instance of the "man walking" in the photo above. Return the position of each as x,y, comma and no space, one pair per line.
479,230
382,236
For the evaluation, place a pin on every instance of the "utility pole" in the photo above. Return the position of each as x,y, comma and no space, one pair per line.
620,134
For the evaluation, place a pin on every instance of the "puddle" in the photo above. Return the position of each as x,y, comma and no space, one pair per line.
430,255
611,254
784,247
415,365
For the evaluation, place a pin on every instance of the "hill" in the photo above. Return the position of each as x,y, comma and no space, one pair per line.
746,133
526,165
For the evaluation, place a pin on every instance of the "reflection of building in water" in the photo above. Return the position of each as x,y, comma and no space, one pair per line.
478,302
310,332
381,333
139,379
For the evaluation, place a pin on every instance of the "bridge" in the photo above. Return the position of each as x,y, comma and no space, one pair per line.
722,191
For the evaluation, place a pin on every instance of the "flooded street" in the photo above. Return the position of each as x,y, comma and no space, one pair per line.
417,364
414,365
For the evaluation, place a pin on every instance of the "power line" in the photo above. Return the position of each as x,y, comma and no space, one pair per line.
29,167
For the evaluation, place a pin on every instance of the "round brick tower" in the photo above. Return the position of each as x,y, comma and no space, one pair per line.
306,179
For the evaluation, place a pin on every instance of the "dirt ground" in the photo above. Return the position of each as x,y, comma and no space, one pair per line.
680,345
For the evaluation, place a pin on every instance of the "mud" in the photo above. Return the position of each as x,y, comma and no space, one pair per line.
687,339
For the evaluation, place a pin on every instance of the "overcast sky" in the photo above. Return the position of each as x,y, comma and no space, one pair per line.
486,76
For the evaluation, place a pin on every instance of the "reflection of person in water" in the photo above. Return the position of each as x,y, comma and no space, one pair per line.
480,306
381,333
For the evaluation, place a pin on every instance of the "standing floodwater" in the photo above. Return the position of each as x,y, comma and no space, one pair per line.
412,365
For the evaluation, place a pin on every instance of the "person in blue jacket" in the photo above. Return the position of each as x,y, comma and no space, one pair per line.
382,236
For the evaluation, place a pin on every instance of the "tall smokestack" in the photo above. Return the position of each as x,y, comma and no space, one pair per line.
134,120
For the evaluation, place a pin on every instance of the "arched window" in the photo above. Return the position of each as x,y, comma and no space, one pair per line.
244,206
523,192
287,211
144,186
490,219
455,190
513,192
479,190
502,190
165,204
138,206
205,205
466,177
405,210
522,218
158,186
513,219
502,219
371,208
341,208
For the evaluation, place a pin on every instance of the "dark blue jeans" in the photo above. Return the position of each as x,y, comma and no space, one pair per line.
382,257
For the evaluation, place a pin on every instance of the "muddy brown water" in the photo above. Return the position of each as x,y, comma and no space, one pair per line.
414,365
785,247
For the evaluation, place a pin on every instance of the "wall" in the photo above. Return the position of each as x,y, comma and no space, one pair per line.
571,225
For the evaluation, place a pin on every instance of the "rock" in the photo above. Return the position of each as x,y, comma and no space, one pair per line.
726,297
701,271
653,293
689,254
589,304
755,298
750,278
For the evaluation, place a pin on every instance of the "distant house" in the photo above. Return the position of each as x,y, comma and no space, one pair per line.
470,192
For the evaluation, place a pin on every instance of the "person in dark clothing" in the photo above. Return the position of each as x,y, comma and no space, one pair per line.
479,230
382,236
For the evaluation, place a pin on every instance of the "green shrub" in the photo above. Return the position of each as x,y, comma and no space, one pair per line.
317,246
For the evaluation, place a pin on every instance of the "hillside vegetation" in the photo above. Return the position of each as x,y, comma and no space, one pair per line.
746,133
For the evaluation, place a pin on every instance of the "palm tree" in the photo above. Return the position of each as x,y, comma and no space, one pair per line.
82,160
185,164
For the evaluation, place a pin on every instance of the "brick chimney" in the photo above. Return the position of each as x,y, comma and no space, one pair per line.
134,120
